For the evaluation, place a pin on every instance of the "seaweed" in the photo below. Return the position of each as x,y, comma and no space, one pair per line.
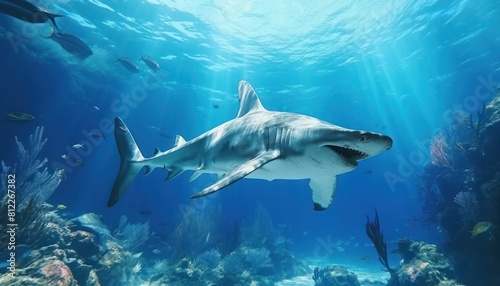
377,237
230,238
479,124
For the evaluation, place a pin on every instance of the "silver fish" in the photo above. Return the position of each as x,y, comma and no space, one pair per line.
71,44
15,115
150,62
128,64
27,11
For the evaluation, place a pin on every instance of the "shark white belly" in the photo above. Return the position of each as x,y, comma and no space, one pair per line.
258,144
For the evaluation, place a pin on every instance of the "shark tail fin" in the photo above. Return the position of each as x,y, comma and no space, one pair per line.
52,18
131,161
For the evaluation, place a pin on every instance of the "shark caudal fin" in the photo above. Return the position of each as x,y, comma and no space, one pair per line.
131,161
52,18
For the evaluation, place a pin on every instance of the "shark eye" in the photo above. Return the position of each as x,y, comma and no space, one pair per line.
362,139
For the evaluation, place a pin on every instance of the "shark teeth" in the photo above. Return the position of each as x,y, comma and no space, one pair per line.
348,153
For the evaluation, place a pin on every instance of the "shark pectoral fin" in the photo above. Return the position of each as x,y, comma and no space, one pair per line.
323,191
173,173
149,169
239,172
195,175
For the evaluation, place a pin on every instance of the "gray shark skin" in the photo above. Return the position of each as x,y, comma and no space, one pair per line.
258,144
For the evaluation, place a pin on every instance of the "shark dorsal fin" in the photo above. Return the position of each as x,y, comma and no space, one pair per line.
249,101
156,151
179,141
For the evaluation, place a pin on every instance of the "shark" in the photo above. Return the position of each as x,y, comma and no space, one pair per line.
258,144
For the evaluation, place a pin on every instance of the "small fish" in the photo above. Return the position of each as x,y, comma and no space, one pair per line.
137,255
340,249
128,64
150,62
156,251
78,146
71,44
368,172
64,156
20,116
154,128
216,106
26,11
97,134
95,107
61,207
144,212
480,227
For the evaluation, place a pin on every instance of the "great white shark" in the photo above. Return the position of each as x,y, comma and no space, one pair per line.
258,144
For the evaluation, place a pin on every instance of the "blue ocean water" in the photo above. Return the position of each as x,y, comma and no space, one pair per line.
393,67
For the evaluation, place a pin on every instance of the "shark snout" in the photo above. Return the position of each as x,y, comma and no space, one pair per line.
358,145
374,143
386,141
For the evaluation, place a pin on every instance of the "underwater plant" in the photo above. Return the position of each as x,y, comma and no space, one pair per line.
208,260
34,185
33,179
481,119
230,237
258,258
233,263
468,208
441,154
134,235
377,237
261,230
431,198
192,235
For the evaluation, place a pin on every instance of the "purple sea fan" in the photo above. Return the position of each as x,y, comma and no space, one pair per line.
468,208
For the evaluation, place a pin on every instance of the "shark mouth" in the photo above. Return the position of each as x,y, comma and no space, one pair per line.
350,155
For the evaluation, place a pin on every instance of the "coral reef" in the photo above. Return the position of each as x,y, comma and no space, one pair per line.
208,260
334,275
34,185
33,179
424,264
460,188
134,235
